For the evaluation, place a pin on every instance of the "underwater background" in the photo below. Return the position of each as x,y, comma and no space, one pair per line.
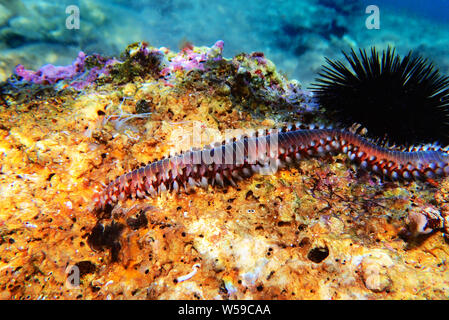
295,35
93,115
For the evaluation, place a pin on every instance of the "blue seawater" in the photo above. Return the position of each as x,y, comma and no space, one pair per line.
296,35
436,10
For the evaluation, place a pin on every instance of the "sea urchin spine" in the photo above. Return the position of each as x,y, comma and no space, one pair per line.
406,99
203,167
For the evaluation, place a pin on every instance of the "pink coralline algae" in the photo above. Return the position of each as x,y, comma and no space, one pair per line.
189,59
49,74
76,72
259,57
93,74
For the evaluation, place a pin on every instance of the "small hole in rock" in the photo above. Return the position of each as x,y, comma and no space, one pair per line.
318,254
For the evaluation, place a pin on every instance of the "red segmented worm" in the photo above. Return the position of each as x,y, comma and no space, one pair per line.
240,158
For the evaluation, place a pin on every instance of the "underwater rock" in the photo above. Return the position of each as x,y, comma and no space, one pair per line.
49,74
76,75
320,229
5,14
375,272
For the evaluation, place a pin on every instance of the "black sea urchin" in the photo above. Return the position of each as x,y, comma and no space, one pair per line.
405,100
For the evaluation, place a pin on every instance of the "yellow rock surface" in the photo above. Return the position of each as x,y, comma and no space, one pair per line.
315,231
